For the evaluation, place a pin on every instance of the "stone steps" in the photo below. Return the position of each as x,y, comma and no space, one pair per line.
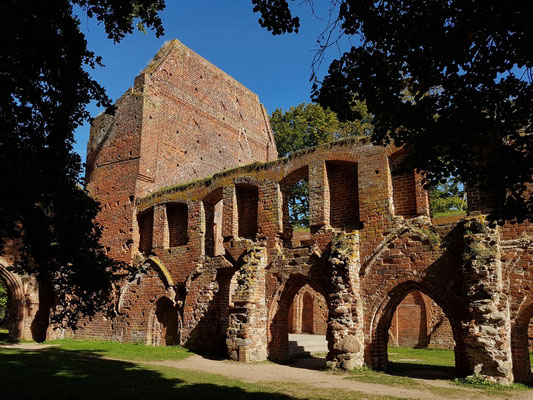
302,344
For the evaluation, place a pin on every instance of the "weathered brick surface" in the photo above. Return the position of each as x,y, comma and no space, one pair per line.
220,254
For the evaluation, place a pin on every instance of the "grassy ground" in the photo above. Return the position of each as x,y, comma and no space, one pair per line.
407,364
83,370
449,213
77,369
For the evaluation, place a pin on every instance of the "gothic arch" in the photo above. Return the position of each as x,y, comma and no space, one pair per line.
377,330
278,313
15,300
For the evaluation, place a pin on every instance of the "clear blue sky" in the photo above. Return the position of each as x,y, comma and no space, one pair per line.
228,35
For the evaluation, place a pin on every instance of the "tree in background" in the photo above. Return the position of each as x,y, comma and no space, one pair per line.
308,125
45,90
447,199
450,79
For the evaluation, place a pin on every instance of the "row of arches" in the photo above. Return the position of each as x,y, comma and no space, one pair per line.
335,190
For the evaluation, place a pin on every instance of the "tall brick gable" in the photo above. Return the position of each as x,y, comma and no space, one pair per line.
183,119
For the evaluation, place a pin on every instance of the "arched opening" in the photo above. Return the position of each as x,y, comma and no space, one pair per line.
417,334
295,190
178,223
342,185
247,205
11,303
165,323
420,323
403,187
145,221
299,324
522,345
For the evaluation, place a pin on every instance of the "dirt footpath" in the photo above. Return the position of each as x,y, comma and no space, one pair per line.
306,372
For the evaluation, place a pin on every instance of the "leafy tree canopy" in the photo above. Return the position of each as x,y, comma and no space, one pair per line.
450,79
308,125
45,89
447,198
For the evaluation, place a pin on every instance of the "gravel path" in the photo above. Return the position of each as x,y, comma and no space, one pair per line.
305,371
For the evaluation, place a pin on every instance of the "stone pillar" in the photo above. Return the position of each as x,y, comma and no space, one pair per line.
247,332
488,329
345,325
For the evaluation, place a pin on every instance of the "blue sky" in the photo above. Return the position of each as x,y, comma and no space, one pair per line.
228,35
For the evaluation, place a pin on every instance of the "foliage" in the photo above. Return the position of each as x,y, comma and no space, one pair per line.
45,89
308,125
3,303
451,79
447,197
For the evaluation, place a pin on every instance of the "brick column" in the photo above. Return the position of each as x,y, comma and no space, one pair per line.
318,195
270,215
196,229
488,329
422,196
230,217
345,325
247,332
160,237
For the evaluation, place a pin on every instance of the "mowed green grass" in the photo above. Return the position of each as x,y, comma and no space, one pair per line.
102,370
124,351
106,370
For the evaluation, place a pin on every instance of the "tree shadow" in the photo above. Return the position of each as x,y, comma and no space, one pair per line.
62,374
421,371
6,339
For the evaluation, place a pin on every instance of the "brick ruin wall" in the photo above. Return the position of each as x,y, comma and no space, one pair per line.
401,273
223,266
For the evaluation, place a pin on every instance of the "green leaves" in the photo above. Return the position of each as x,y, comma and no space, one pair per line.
450,79
45,89
308,125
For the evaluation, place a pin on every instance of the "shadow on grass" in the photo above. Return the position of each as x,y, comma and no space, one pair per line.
62,374
421,371
6,339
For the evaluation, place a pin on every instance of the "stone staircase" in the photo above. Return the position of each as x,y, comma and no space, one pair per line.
305,344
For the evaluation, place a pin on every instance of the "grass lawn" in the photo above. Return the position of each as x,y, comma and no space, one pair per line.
406,364
449,213
79,369
83,370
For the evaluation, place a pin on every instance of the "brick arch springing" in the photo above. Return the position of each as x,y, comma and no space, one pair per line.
376,350
278,316
519,343
405,227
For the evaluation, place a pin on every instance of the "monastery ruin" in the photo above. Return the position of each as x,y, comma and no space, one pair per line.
192,191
